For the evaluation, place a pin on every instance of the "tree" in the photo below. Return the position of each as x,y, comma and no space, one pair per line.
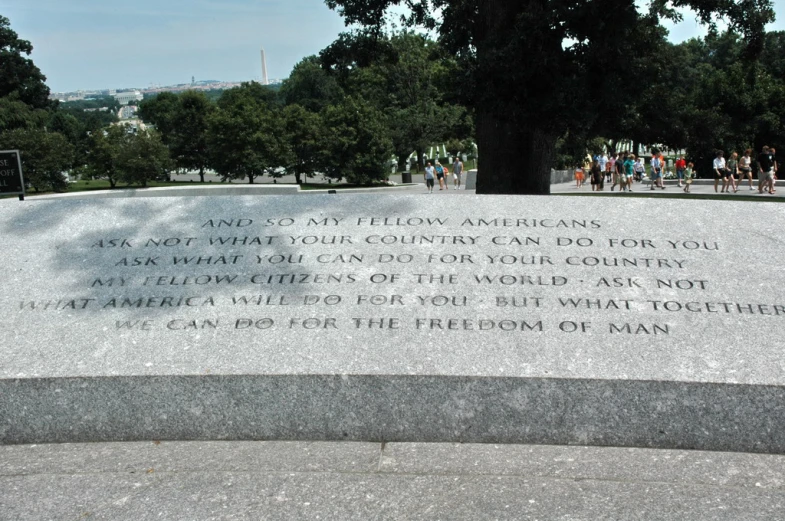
16,114
188,140
245,134
709,95
19,74
304,138
310,86
45,157
533,68
104,151
160,112
143,158
405,76
356,144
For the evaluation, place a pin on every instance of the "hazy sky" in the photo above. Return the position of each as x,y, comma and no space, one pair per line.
95,44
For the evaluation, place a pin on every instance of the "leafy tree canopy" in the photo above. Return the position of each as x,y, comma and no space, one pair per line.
532,69
310,86
46,156
245,134
19,74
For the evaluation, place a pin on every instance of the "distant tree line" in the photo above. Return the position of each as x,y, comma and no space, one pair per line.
372,96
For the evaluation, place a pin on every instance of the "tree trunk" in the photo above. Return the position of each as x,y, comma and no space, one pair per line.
420,163
201,174
297,178
516,158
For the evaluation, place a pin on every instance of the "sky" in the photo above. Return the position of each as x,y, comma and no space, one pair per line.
112,44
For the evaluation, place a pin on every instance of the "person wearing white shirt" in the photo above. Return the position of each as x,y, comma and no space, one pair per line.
656,172
719,168
603,162
639,169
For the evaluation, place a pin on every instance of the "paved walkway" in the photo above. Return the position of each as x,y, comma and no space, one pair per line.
699,187
380,481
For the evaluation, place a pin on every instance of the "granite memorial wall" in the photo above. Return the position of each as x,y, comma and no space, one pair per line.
482,319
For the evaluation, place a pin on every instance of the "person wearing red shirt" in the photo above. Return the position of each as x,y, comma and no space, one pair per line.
681,165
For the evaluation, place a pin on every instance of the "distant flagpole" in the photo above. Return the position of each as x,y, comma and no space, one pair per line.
264,69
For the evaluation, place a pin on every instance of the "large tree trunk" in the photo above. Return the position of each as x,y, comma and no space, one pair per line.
516,158
420,161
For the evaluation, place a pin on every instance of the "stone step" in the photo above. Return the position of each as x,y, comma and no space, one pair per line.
280,480
395,408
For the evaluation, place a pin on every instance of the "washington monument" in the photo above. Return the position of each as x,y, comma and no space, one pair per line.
264,70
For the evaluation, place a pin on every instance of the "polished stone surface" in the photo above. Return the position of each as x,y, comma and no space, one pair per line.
492,319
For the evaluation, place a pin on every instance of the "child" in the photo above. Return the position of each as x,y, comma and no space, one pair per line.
688,175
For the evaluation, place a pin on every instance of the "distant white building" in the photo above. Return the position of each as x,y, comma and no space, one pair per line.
127,97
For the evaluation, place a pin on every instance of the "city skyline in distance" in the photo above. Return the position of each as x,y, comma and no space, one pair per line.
89,45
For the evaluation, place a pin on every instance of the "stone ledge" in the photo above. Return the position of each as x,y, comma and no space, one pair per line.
672,415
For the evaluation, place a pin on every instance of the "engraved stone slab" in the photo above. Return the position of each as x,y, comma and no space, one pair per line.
397,318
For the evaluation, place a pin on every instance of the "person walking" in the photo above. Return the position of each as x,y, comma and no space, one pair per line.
619,178
629,171
457,171
745,167
640,170
429,175
775,169
597,176
689,173
731,170
603,162
681,165
440,176
765,171
656,172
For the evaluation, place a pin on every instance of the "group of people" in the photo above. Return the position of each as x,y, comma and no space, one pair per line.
735,170
625,168
441,173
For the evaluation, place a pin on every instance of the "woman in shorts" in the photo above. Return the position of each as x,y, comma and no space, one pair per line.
579,177
745,167
729,174
597,177
440,176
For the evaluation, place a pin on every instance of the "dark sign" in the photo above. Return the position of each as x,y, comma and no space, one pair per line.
11,181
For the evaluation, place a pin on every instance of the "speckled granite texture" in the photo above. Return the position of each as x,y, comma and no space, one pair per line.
368,318
274,480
